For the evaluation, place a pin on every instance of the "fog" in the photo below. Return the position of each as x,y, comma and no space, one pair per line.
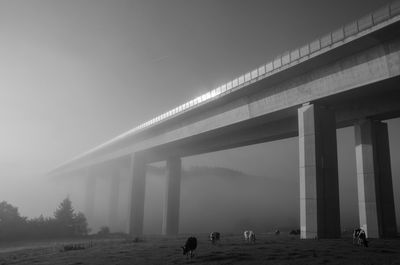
75,74
231,190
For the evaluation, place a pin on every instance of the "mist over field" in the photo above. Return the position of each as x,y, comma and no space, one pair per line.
227,191
227,203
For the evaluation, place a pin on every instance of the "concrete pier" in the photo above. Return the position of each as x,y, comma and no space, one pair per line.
170,224
319,187
113,218
138,173
374,179
90,195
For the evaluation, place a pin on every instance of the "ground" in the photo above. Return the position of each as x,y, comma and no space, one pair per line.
268,249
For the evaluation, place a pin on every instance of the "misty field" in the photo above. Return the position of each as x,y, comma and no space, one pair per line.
269,249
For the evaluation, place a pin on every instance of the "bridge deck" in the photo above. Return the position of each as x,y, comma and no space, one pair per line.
261,104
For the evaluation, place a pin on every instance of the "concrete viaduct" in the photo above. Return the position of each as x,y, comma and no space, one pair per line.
349,77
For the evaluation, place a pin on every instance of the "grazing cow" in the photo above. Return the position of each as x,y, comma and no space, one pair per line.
294,232
359,237
277,232
249,236
190,246
214,237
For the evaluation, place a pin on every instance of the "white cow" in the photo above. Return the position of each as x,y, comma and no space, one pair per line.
249,236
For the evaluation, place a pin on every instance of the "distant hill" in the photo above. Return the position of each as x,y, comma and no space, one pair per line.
235,201
203,171
217,198
198,171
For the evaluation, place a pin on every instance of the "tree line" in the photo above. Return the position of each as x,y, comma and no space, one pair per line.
65,223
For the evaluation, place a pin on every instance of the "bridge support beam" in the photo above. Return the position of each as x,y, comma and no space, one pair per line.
374,178
113,218
90,196
319,187
170,224
138,172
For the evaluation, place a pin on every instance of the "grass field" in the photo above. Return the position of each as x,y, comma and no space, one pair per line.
268,249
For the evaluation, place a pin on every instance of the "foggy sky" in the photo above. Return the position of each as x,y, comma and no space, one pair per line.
74,74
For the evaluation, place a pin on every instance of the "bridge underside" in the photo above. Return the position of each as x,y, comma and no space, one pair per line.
377,101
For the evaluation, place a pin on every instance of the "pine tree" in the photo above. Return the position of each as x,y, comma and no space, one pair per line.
68,222
65,213
64,217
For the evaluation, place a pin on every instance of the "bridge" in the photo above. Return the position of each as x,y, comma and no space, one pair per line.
349,77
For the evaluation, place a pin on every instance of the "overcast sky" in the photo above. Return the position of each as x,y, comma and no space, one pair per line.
76,73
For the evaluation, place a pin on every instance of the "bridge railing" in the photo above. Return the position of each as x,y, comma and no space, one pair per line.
287,59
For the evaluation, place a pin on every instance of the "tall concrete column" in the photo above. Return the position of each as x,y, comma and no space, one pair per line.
170,224
319,187
90,195
113,218
138,172
374,179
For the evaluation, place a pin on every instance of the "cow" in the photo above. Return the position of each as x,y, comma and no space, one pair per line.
190,246
359,237
249,236
214,237
294,232
277,232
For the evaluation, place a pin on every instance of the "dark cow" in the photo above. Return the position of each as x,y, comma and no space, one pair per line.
295,232
214,237
359,237
190,246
